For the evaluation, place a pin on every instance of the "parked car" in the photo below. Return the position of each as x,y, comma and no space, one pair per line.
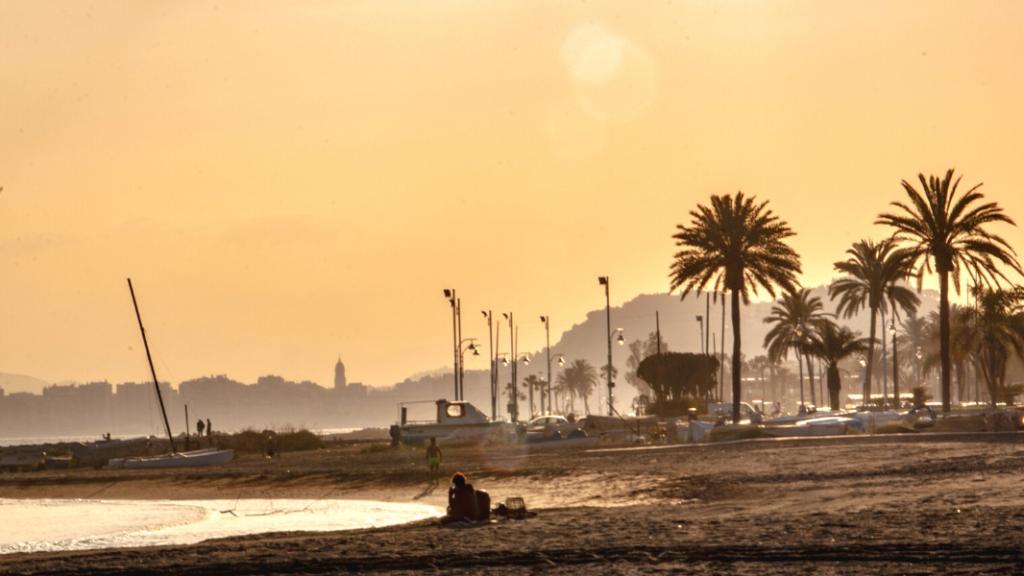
551,427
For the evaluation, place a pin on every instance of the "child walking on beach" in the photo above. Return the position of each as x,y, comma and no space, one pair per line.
434,456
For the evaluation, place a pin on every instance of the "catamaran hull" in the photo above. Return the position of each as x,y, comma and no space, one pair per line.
206,457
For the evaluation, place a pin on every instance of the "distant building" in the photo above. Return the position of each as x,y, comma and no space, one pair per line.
339,375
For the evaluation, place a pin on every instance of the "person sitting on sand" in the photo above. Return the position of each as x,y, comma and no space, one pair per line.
434,456
466,504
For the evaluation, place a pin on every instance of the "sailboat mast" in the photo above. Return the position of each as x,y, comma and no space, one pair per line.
149,358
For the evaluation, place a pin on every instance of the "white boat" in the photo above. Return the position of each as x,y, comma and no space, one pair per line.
454,422
823,426
204,457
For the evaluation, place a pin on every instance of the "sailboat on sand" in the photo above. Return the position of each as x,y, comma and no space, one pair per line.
175,459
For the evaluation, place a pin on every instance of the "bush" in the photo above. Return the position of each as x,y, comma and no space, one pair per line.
735,432
374,448
260,442
675,408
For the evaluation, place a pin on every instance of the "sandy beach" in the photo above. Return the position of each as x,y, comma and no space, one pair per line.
910,504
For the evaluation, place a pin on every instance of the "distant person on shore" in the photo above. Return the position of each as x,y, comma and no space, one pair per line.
200,426
270,443
209,431
466,504
434,456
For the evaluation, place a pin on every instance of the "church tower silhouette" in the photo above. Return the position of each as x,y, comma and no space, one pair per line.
339,375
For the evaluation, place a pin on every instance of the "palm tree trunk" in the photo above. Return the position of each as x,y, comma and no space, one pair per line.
944,336
870,364
735,356
833,386
810,377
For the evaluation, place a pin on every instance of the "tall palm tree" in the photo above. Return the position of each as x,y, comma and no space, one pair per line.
872,272
948,234
833,344
993,332
580,378
735,244
795,318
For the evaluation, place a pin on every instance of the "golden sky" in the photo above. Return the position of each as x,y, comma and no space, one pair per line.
286,181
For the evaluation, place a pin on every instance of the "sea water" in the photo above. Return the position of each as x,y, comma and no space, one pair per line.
63,524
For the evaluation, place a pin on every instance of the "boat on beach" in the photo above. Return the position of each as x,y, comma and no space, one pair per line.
454,422
174,459
204,457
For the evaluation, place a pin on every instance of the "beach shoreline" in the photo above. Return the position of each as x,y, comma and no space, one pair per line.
879,504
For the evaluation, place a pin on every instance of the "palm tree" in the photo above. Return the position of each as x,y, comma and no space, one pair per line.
947,234
565,398
960,353
795,318
911,344
833,344
760,364
735,244
581,379
992,332
873,271
533,384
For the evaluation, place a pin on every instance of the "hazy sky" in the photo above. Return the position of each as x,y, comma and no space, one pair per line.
287,181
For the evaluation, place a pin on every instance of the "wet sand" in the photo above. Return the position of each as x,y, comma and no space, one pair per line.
911,504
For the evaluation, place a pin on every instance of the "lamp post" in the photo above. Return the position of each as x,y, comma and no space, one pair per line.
863,364
700,334
493,363
525,359
603,281
551,400
920,355
547,347
462,358
513,401
449,294
800,365
895,366
885,360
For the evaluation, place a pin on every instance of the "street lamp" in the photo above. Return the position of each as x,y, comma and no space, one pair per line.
919,354
799,333
547,346
449,294
513,344
603,281
895,365
465,345
700,333
493,363
864,378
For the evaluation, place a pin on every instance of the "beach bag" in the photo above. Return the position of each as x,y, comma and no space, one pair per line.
483,505
516,507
